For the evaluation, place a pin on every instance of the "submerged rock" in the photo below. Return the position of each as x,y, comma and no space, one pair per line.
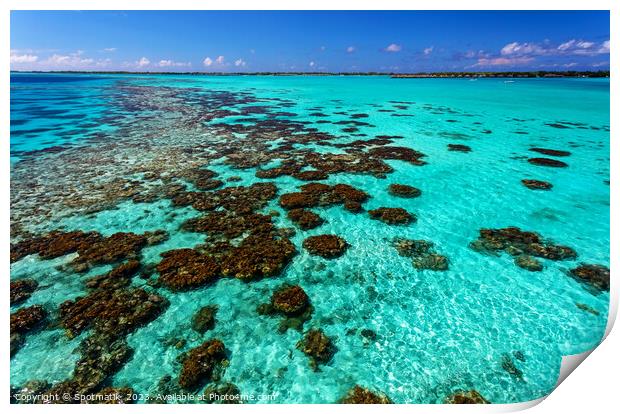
26,319
529,263
361,395
547,162
431,261
594,276
200,363
317,346
328,246
22,289
185,269
204,319
552,152
290,300
305,219
509,366
516,242
587,308
226,393
466,397
391,215
458,148
405,191
320,195
537,184
410,248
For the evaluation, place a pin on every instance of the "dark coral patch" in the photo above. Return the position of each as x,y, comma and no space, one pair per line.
258,256
405,191
311,175
552,152
516,242
423,254
22,289
54,244
547,162
537,184
466,397
185,269
305,219
391,215
204,319
361,395
290,300
26,319
398,153
594,276
227,224
109,250
115,278
317,346
528,262
319,195
200,363
112,312
459,148
328,246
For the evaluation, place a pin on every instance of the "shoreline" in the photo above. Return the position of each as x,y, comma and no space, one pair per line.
430,75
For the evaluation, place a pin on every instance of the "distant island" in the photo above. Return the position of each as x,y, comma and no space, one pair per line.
513,74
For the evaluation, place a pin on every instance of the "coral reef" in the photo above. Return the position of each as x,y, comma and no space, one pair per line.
547,162
320,195
592,275
305,219
361,395
516,242
328,246
466,397
200,362
317,346
290,300
204,319
423,254
405,191
22,289
391,215
185,269
537,184
26,319
226,393
459,148
552,152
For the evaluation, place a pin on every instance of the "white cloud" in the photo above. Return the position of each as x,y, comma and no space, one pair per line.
109,49
351,49
207,61
504,61
219,60
172,63
311,64
429,50
143,62
393,48
15,58
516,48
73,60
240,62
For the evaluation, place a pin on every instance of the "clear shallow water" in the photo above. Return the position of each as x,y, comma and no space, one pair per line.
436,331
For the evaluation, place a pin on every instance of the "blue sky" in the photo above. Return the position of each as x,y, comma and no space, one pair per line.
248,41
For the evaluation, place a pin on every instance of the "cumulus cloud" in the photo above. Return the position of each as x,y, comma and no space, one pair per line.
171,63
26,58
219,60
143,62
351,49
240,62
207,61
311,64
393,48
73,60
570,47
109,49
215,63
428,50
503,61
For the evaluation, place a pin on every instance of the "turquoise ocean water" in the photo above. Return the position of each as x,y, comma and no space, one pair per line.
436,331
